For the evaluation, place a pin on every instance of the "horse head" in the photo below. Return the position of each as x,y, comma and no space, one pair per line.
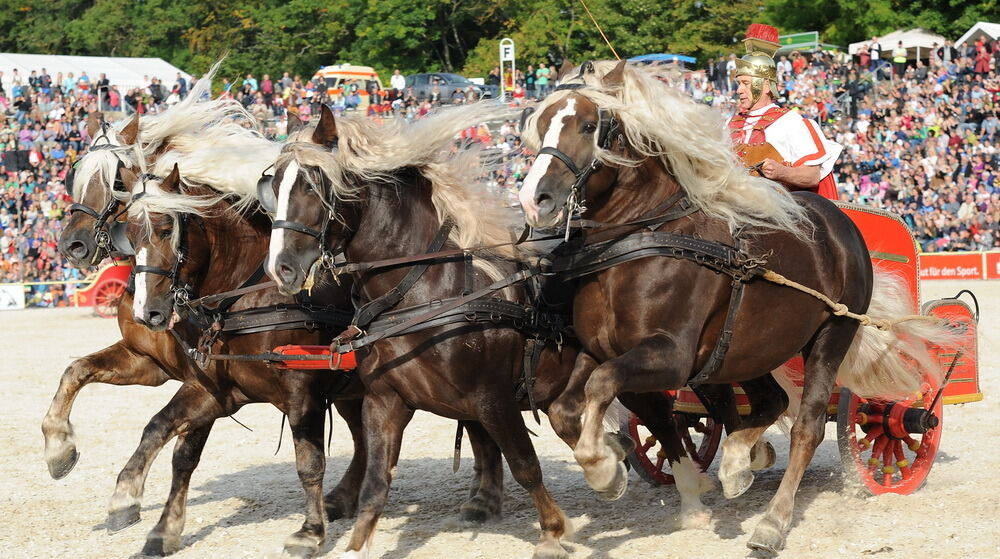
572,132
90,232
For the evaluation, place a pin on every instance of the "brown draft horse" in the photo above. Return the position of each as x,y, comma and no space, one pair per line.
147,358
368,201
620,147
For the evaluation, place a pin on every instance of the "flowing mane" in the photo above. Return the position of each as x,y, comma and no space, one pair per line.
371,152
156,200
216,142
691,141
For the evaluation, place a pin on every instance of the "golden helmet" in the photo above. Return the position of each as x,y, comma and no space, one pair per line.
761,43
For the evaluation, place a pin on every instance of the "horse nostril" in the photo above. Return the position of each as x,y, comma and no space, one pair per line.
76,249
156,318
286,273
546,204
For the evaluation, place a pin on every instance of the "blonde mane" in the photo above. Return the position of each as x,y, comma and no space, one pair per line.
156,200
691,141
370,152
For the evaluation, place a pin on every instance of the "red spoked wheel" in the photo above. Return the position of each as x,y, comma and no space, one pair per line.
108,295
699,434
889,446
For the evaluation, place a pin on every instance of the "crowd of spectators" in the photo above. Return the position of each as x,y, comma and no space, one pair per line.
920,138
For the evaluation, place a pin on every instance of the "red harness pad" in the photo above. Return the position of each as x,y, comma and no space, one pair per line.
337,361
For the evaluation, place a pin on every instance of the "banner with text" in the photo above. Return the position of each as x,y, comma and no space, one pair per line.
956,265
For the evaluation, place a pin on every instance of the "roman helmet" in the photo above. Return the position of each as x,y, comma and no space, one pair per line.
761,43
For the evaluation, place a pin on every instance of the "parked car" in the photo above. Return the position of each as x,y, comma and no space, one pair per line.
423,85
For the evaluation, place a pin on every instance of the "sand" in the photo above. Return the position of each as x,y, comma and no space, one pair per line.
245,499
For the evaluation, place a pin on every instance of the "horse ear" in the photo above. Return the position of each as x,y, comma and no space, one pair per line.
294,122
130,133
173,181
326,129
94,123
564,70
616,77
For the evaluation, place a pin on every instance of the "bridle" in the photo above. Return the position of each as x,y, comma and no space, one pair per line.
265,195
181,291
109,239
608,129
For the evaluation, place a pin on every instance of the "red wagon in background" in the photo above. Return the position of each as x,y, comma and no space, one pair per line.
888,446
105,291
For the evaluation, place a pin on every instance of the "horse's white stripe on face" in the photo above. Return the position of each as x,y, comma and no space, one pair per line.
541,164
139,299
278,235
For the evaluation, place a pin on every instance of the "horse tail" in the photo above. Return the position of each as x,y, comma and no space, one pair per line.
894,363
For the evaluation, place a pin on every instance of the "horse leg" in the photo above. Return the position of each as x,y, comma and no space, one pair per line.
190,408
342,500
116,364
565,411
505,424
486,495
654,364
655,411
743,451
165,537
306,419
385,416
823,359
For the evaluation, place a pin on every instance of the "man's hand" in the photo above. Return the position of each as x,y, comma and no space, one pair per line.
804,177
772,169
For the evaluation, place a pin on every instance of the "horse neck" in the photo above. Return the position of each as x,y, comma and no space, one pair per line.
637,192
237,245
396,221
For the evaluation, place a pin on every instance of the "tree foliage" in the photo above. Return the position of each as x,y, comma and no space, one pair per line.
270,36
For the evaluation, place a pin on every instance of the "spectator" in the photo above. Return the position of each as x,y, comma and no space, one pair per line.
397,81
542,80
182,86
899,60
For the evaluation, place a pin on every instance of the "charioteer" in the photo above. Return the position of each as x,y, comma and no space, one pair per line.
777,142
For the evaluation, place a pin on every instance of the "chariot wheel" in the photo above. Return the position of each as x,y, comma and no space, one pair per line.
699,434
889,446
109,293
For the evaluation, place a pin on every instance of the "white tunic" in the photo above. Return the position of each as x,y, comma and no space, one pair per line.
799,140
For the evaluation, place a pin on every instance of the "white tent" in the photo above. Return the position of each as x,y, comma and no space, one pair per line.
126,73
981,29
916,41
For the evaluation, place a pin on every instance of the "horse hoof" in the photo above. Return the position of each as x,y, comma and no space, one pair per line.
767,538
549,550
737,484
618,486
160,546
338,507
62,465
299,551
696,520
121,519
476,513
762,456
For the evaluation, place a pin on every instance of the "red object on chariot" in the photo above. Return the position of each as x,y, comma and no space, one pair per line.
337,361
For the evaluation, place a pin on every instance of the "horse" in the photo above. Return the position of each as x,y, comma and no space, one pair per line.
385,192
147,358
619,148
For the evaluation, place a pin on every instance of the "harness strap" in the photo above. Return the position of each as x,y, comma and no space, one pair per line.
726,335
369,311
532,350
298,227
344,343
228,302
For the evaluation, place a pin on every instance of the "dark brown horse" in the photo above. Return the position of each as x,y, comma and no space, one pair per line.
621,148
364,199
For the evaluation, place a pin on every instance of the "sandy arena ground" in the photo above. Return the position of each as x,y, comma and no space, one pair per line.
244,500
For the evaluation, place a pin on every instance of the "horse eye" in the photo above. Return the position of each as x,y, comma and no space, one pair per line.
589,128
